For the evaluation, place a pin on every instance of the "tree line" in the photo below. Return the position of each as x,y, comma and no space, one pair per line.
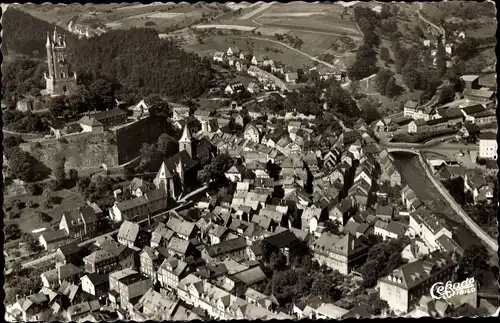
141,63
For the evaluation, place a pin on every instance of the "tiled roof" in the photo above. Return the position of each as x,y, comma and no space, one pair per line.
226,247
128,231
109,114
51,236
179,226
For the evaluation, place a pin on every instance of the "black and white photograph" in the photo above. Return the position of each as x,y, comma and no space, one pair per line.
249,161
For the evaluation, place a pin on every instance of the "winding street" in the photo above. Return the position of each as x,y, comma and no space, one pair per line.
294,49
439,29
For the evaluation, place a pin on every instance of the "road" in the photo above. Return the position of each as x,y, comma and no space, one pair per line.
434,145
439,29
89,241
256,11
294,49
414,175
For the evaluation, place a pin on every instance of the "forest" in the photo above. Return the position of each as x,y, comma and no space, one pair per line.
136,61
142,63
24,34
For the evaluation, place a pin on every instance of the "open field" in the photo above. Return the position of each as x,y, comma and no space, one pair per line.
230,27
116,16
316,43
292,14
256,11
320,23
28,220
221,43
483,32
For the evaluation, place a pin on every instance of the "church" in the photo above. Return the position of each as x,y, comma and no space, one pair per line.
59,81
183,167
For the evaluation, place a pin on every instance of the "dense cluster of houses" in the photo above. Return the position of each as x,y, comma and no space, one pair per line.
166,266
470,117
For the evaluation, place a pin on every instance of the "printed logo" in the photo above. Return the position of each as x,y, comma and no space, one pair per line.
444,291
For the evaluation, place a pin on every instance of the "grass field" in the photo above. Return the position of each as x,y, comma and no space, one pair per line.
221,43
316,44
117,16
28,221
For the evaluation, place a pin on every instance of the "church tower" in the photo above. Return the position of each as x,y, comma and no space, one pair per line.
59,81
186,141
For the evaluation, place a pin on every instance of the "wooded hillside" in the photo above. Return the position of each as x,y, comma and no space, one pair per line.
26,35
141,62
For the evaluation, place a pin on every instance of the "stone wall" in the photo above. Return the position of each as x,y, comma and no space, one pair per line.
83,150
129,138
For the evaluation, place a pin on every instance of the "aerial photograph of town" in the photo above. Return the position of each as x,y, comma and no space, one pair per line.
249,161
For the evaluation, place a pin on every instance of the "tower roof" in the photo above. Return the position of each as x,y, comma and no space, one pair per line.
186,135
48,41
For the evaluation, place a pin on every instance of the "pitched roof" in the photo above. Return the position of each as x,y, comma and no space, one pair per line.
413,273
181,227
97,279
67,271
89,121
98,256
489,135
226,247
109,114
128,231
282,240
51,236
131,204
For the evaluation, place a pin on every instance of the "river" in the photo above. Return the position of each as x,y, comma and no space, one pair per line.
412,174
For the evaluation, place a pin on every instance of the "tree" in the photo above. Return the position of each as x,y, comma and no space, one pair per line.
473,262
167,145
440,59
73,175
83,184
384,54
32,243
385,83
382,259
332,227
12,141
11,231
20,164
214,172
60,170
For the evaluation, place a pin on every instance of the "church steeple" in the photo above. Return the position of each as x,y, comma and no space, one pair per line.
185,143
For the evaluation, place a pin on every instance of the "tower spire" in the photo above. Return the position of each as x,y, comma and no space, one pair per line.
186,134
48,40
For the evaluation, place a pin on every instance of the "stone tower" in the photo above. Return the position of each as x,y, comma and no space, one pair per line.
59,81
186,141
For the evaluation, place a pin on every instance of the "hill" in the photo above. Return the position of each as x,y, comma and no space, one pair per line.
24,34
141,62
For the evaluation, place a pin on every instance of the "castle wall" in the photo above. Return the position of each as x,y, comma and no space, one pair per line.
131,137
83,150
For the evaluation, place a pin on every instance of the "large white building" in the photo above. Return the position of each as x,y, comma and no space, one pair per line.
488,145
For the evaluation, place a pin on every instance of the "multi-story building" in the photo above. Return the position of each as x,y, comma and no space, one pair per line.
404,287
150,262
171,271
100,262
339,253
79,222
235,249
488,145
